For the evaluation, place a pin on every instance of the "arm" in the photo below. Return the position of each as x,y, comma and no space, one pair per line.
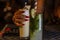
40,4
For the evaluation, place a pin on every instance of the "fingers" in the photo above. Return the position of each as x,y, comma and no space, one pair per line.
19,13
19,24
18,20
19,16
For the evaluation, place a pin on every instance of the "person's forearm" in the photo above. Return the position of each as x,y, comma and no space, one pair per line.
40,4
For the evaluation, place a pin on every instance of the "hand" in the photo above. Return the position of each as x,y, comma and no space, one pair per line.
18,18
